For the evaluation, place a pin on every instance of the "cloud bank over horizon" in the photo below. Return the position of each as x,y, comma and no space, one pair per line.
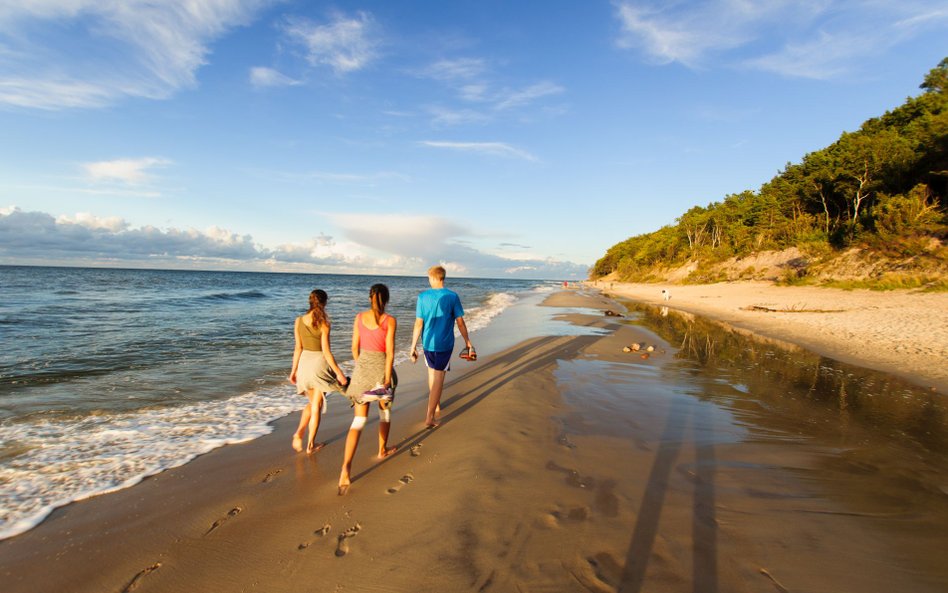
413,244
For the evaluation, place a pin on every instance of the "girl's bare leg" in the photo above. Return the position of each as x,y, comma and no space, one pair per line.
316,408
384,429
352,442
304,422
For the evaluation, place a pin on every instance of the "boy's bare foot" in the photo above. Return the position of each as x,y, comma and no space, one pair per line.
386,452
297,443
313,447
430,425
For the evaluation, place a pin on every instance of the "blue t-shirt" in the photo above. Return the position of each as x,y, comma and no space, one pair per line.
438,307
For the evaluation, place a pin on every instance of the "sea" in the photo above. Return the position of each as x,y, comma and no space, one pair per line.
108,376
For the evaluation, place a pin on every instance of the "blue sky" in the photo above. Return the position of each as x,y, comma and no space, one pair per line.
500,138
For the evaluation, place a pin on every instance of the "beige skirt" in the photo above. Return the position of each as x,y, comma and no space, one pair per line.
369,372
314,372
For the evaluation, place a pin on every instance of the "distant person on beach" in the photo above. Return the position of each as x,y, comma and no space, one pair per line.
314,370
436,313
374,378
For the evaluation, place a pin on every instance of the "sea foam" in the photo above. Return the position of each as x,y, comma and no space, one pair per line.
58,462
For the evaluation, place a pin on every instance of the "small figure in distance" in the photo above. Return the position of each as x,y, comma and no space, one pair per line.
666,294
437,311
314,370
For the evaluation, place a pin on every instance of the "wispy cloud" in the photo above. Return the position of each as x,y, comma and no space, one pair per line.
442,117
522,97
345,43
128,171
473,82
686,33
134,48
261,77
489,148
455,69
804,38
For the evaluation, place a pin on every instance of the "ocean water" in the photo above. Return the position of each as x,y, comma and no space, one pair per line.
108,376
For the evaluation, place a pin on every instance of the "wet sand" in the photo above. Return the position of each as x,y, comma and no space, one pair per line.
901,332
563,464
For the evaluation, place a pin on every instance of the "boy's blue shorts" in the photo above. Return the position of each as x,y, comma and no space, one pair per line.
439,361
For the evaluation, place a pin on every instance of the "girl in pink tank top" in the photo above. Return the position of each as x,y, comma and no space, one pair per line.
373,340
373,349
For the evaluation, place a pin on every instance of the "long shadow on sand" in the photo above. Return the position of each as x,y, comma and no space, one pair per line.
681,414
535,354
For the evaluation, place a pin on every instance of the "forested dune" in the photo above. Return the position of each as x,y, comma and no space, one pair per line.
876,195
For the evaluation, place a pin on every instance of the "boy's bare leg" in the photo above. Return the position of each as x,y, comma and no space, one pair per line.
435,386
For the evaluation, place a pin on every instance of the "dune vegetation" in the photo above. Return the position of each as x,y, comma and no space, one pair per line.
868,211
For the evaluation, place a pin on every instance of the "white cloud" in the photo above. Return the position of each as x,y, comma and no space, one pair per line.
37,236
345,44
261,77
489,148
418,241
804,38
90,221
129,171
115,49
409,244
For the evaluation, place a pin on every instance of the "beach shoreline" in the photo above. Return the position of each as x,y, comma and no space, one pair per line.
901,332
562,463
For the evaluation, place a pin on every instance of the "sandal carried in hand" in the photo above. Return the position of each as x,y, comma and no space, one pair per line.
468,354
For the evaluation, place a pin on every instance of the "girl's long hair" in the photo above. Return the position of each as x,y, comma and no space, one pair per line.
317,306
378,296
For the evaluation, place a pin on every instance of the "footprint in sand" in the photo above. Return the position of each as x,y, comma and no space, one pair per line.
342,547
606,568
415,450
606,500
579,513
231,513
402,482
270,476
136,580
318,533
573,478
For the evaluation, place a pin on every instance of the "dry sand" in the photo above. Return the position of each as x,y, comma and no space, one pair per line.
562,464
900,332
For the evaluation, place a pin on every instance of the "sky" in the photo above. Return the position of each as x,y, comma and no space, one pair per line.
501,139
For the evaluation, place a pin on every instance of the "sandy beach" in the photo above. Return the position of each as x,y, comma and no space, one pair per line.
562,464
900,332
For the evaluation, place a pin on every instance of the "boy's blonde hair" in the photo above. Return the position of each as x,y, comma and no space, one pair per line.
437,272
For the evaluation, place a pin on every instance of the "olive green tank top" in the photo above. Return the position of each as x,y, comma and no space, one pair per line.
312,337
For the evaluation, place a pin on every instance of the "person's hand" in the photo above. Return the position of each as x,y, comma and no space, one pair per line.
414,356
292,378
343,380
387,384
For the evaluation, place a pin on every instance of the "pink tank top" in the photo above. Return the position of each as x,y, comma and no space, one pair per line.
373,340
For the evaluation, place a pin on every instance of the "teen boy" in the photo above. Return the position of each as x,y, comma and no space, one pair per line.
436,313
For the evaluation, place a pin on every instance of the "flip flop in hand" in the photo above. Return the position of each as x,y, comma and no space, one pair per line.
469,354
